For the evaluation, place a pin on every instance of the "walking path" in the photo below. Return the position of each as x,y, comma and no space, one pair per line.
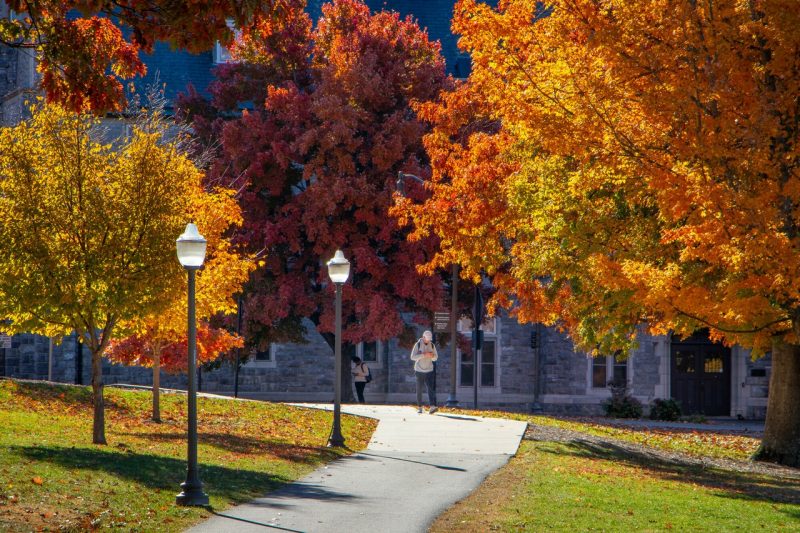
416,466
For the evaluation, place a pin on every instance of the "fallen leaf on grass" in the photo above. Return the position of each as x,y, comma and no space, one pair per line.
37,480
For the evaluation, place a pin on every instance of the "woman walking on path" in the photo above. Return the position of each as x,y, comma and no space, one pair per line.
424,354
360,372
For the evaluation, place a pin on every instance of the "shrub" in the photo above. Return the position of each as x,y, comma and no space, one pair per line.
621,404
665,409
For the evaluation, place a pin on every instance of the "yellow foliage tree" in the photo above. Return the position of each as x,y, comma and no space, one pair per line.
88,229
159,340
618,163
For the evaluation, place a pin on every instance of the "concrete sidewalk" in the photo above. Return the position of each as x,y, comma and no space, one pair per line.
416,466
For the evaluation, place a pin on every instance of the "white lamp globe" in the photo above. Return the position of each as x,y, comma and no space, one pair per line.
191,247
338,268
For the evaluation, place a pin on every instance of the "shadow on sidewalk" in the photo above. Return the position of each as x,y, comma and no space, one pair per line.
262,524
441,467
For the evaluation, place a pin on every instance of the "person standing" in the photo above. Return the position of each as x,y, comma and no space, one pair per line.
360,373
424,354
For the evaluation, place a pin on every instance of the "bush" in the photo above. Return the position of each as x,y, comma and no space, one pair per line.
621,404
665,409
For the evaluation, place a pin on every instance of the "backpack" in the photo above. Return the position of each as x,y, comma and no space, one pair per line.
368,376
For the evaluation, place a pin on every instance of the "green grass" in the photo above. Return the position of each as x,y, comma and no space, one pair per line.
691,442
52,477
581,486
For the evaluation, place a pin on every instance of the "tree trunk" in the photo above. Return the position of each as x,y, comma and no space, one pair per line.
347,378
99,424
156,387
781,442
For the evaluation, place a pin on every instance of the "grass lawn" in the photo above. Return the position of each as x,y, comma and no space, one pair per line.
53,478
579,486
600,486
696,443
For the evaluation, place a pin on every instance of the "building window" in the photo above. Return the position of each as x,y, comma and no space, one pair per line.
263,358
599,372
369,351
467,369
488,359
487,369
263,355
489,326
221,53
606,369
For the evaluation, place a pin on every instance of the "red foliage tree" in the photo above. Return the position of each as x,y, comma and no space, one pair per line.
83,49
317,160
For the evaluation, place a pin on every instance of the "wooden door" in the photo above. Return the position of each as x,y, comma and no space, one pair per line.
701,377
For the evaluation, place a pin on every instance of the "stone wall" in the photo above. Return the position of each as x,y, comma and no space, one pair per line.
304,372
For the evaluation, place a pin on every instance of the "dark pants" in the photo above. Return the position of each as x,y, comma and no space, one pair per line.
360,390
429,379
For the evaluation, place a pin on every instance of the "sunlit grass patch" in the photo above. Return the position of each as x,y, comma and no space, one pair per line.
583,486
725,445
51,476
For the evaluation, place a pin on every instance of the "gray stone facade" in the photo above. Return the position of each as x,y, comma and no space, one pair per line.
18,78
535,367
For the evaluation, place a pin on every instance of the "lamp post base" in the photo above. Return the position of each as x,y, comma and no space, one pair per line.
336,442
192,496
451,402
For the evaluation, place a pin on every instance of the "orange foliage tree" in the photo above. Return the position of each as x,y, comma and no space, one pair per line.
84,53
620,163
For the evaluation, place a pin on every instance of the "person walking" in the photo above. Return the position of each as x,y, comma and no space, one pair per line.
360,377
424,354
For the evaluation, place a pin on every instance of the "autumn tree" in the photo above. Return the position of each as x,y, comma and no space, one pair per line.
85,48
317,158
159,340
645,170
88,229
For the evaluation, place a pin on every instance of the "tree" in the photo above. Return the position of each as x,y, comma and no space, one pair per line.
644,170
86,47
88,229
159,340
317,159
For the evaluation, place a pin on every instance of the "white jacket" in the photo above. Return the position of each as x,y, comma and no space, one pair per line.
423,356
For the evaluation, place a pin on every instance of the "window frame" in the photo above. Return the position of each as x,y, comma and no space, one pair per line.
610,363
491,328
269,363
378,352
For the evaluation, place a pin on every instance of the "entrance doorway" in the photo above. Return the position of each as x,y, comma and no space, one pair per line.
701,375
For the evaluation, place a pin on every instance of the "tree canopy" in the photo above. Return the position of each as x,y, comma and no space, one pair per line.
316,159
85,48
643,169
88,228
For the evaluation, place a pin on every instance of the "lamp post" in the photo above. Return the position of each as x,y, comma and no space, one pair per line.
339,271
452,400
191,247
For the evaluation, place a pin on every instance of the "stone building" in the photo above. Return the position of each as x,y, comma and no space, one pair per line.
521,366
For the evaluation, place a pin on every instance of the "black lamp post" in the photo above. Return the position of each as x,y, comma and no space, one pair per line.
191,248
452,400
339,271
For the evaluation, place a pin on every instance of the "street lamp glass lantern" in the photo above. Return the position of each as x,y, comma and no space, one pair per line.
338,268
191,247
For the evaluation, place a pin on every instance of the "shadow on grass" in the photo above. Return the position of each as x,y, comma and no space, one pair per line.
738,485
66,395
247,445
154,471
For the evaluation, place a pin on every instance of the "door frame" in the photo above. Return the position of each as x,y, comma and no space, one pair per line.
699,340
